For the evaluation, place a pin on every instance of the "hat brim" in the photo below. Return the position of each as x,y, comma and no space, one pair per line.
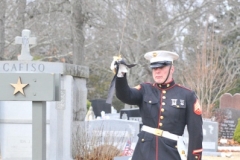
160,64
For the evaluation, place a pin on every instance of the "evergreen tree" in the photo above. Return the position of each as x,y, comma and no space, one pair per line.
236,135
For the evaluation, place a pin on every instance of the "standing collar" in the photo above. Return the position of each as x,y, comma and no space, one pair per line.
165,85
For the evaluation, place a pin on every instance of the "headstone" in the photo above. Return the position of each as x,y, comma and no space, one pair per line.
113,110
16,137
111,131
228,100
90,114
123,158
210,136
25,41
228,114
39,88
113,115
131,113
229,122
16,117
104,132
100,105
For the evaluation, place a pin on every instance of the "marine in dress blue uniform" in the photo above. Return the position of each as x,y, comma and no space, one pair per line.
166,108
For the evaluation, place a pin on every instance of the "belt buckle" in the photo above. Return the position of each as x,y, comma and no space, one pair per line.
158,132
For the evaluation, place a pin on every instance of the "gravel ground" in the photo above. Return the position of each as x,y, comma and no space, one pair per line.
235,156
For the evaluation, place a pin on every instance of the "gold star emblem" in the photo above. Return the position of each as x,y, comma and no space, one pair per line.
19,86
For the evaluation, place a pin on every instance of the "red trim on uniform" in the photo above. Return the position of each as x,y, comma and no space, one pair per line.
156,147
197,151
159,114
183,87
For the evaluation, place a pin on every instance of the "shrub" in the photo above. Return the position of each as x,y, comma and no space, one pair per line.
103,152
88,104
236,135
96,143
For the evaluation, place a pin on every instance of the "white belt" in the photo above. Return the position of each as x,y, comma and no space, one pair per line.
159,132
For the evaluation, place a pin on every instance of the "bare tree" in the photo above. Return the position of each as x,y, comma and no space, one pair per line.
212,72
97,26
48,20
77,31
150,25
20,25
2,26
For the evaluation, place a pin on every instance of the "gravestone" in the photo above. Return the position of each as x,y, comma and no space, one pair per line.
210,136
228,100
113,115
111,131
228,114
132,113
16,117
25,40
229,122
39,88
123,158
100,105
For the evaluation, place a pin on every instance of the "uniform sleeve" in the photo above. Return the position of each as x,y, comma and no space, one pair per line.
194,126
126,94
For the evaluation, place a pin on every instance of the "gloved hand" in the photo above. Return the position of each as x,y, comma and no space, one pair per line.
117,67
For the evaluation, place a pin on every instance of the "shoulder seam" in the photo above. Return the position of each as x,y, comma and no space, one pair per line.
184,87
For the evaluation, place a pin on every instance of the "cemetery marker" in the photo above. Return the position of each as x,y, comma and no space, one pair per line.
25,40
42,87
16,116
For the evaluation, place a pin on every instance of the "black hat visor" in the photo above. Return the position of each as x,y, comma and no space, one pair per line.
160,64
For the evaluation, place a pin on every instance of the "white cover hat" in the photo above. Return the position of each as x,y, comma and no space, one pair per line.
161,58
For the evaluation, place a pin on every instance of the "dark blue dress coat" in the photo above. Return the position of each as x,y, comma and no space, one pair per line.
169,107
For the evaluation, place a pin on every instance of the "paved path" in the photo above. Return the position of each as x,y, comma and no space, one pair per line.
235,156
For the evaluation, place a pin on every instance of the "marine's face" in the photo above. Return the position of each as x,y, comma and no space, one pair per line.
160,74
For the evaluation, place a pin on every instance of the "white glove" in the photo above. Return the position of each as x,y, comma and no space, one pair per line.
122,68
113,66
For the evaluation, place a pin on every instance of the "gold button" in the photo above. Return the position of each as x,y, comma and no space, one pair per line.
177,106
150,101
168,85
164,97
162,109
160,124
142,140
175,146
163,91
196,157
163,103
161,117
160,85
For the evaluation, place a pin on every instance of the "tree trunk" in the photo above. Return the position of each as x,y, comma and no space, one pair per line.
2,26
77,32
21,9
